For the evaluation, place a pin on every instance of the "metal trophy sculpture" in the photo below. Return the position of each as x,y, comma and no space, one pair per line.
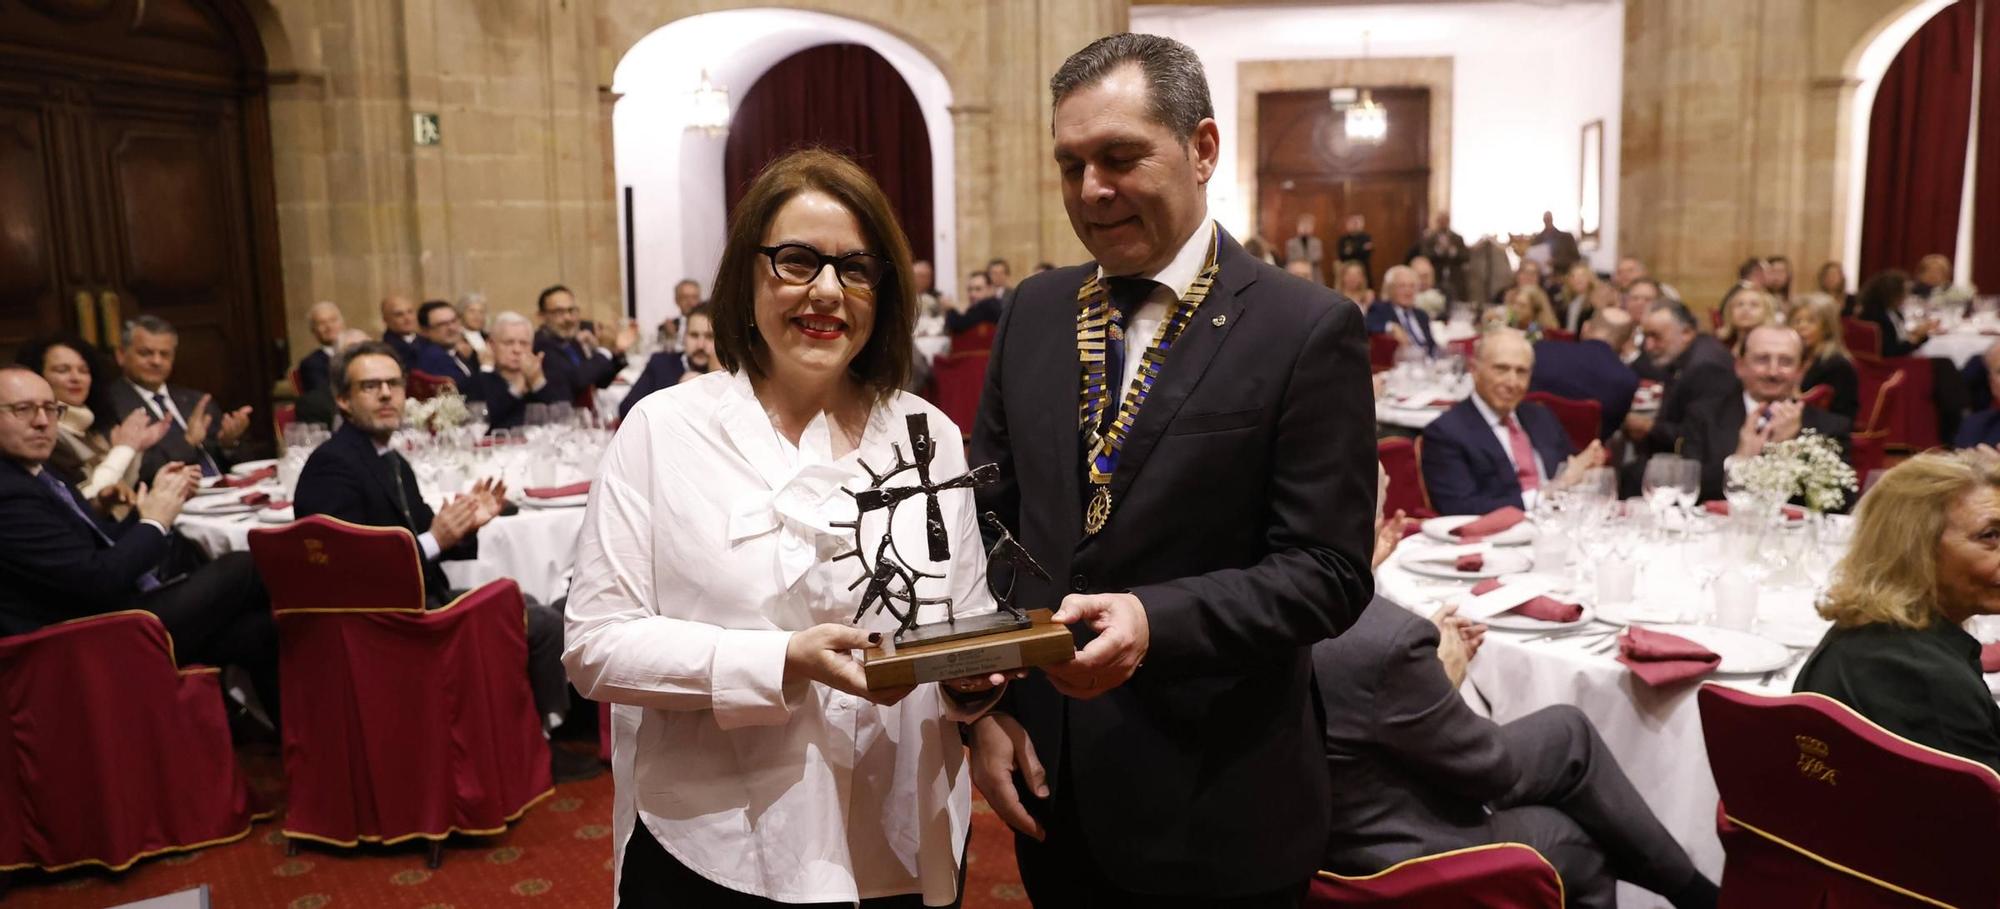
992,642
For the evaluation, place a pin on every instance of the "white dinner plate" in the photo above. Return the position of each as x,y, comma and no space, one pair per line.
576,501
1741,652
249,467
1440,529
275,516
1497,563
208,506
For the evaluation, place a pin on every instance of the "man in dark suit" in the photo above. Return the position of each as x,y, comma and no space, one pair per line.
1446,250
1493,449
399,326
1563,251
1760,407
1416,772
518,377
202,434
669,368
980,305
1694,370
1398,308
1589,368
327,325
1357,246
574,362
442,350
59,560
357,477
1197,778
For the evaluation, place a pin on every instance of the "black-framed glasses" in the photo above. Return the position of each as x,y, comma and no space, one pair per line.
25,410
797,263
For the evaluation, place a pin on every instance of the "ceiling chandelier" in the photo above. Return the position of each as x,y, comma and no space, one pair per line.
708,109
1366,121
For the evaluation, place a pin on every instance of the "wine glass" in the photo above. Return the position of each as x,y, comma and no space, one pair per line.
1661,484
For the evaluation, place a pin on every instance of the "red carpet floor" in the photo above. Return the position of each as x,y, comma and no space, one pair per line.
558,855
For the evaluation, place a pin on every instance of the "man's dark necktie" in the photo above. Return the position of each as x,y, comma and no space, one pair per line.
1127,295
60,490
208,468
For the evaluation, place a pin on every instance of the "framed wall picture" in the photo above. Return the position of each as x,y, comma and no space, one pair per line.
1590,186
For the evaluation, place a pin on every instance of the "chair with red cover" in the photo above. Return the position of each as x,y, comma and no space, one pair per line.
113,753
1406,479
1817,396
1557,334
978,337
400,722
1863,338
1900,388
957,378
1496,876
1382,352
1821,807
1580,419
1464,347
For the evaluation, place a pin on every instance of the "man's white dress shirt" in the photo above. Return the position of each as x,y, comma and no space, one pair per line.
1170,284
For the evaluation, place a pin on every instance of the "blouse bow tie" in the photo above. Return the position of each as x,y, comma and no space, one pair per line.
801,510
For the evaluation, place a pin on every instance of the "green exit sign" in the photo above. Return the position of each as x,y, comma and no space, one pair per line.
425,129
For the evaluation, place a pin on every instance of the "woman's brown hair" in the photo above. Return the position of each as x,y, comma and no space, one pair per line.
883,365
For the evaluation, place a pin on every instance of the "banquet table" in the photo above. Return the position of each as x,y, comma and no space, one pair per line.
1960,346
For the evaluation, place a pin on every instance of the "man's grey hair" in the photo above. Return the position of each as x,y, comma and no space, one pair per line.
1174,78
323,304
474,298
150,324
337,369
1397,273
507,318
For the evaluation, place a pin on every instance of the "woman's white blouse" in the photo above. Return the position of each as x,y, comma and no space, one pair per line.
710,539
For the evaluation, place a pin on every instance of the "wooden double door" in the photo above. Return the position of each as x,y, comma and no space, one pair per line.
1307,165
135,178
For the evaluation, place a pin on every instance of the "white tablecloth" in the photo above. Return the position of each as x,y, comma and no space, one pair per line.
1959,346
537,547
932,347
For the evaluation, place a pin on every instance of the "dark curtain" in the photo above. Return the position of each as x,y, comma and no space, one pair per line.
1916,145
1986,194
844,97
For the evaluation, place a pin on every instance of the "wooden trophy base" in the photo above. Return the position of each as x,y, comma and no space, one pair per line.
950,652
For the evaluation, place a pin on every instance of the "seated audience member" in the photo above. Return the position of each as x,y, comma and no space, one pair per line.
1426,272
1816,317
1492,450
1590,368
101,462
1528,274
667,369
472,317
1760,408
1638,300
1353,284
316,406
1000,276
1921,563
1575,300
1691,367
1832,281
201,433
399,326
443,351
1744,309
979,305
1417,772
575,363
357,477
1398,311
59,561
1983,427
1933,275
1527,310
1879,302
518,377
327,324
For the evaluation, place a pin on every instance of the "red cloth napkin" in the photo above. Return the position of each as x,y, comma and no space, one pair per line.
1546,609
1721,507
1443,402
556,492
1498,521
277,504
1471,561
1989,658
1660,659
255,498
249,479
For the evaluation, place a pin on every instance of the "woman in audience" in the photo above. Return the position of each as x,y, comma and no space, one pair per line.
1354,283
755,765
103,465
1743,310
1527,309
1933,275
1832,281
1880,299
1574,300
1816,317
1925,551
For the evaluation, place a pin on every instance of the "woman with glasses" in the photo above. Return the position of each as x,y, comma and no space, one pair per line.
103,464
713,605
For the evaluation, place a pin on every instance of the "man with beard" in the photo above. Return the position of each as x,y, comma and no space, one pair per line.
668,368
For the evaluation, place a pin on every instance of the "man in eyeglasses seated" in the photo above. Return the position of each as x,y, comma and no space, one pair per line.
573,360
60,561
1759,407
519,376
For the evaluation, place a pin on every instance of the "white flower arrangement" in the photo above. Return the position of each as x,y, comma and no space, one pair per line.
1808,466
1431,301
443,411
1958,294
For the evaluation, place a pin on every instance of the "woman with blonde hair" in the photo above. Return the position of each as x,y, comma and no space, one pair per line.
1354,283
1816,317
1923,559
1527,309
1745,309
1575,301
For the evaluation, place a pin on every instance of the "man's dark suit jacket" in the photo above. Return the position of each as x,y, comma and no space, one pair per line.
53,568
434,359
570,369
1702,374
1465,469
1242,517
1710,436
1982,428
406,349
663,370
346,479
122,398
504,409
987,310
1382,314
1586,370
313,370
1922,684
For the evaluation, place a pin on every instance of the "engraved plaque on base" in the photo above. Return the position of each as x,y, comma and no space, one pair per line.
995,642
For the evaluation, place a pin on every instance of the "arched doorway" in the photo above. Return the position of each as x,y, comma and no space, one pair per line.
135,166
847,98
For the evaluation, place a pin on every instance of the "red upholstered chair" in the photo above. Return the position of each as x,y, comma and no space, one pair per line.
978,337
1821,807
1817,396
297,389
400,723
283,416
1557,334
957,378
1406,479
1864,338
1464,347
1581,419
1498,876
1900,388
112,753
424,386
1382,351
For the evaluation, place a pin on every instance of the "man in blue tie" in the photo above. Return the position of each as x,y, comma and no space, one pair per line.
1398,311
574,362
203,434
60,560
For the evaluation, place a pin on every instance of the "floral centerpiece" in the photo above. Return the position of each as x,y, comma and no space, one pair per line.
445,410
1807,466
1431,301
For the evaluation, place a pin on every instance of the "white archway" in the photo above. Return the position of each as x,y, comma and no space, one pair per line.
676,176
1870,65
